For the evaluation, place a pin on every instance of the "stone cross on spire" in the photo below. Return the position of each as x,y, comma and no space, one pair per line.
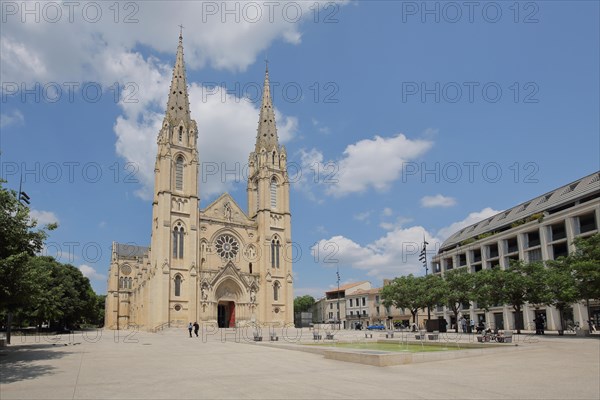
267,131
178,105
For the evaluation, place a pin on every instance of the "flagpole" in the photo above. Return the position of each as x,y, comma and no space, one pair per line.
423,258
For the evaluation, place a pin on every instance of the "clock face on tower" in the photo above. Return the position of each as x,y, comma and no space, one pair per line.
227,246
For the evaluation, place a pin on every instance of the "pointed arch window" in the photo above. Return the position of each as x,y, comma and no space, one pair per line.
179,173
275,253
178,242
273,193
180,137
121,283
178,285
276,290
129,283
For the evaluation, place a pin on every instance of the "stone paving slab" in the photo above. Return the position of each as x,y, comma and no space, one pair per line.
172,365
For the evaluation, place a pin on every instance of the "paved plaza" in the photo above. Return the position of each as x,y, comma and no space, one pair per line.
221,365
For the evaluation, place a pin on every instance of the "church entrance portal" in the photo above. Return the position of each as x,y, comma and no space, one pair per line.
226,314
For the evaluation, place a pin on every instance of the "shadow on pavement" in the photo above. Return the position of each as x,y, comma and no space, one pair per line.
20,363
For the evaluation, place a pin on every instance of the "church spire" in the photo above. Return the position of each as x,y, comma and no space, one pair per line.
267,131
178,105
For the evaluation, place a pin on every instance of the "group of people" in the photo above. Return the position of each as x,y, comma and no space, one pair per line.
466,326
195,327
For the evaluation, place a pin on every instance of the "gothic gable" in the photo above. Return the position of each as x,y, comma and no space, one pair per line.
226,210
229,271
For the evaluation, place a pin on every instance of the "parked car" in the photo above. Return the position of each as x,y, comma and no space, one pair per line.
376,327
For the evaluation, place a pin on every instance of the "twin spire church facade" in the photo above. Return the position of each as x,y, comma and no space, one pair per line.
214,265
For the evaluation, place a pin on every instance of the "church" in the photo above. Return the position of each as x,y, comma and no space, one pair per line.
218,265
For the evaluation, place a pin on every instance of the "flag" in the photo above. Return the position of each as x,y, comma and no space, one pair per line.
24,198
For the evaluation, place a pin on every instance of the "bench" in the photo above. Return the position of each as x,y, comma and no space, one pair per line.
274,338
506,337
329,336
257,338
389,335
435,335
420,336
316,336
368,335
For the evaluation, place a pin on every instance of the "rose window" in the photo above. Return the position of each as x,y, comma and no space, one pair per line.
227,247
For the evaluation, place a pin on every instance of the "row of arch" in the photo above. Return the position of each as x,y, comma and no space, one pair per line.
125,283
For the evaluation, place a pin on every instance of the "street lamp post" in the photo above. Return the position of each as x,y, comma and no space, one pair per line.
338,298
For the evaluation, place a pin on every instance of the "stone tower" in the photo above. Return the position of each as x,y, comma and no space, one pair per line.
269,205
175,203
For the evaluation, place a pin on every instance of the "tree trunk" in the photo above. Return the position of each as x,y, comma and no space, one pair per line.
8,326
455,311
561,330
518,312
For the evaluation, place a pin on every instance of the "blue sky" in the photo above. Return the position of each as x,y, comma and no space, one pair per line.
417,122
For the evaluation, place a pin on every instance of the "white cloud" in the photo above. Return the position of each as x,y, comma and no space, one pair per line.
11,118
107,52
362,216
398,223
91,273
307,178
223,142
472,218
387,212
65,50
437,201
357,172
320,128
43,217
395,253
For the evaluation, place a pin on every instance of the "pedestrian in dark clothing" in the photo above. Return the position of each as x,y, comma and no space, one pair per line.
539,325
190,327
196,328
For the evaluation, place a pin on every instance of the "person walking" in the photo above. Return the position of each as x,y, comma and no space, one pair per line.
472,325
190,327
463,324
196,328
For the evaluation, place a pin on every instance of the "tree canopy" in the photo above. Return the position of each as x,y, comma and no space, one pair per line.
19,240
557,283
303,303
39,288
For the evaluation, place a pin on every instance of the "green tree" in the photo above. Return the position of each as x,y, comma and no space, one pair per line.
19,240
487,288
458,290
434,291
561,286
585,264
303,303
524,283
62,295
408,292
